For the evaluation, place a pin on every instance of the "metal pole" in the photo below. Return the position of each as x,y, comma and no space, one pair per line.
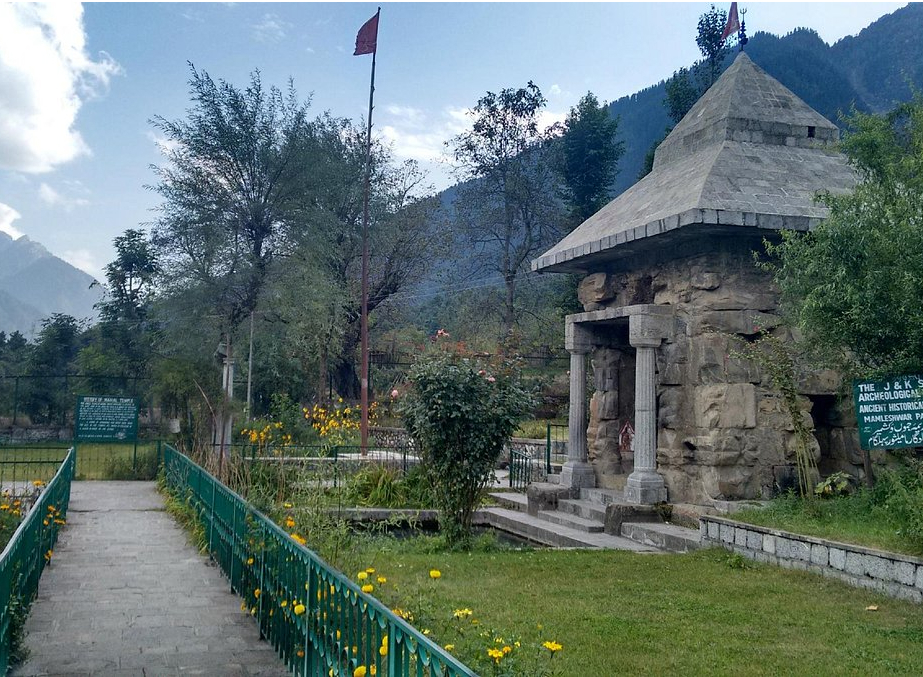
250,370
364,329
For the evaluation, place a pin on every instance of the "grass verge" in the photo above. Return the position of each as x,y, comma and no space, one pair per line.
622,613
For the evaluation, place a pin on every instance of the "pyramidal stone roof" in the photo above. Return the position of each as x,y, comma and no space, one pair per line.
749,154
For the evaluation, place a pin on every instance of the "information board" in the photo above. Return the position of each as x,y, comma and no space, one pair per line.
890,412
106,419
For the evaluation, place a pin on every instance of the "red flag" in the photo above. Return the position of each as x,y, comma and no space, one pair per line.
367,38
733,24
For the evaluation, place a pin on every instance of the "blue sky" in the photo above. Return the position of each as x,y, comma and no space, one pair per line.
77,88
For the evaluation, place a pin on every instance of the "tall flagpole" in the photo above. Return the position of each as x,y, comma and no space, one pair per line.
364,374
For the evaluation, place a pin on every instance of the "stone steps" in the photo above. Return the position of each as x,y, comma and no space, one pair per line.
669,537
571,521
510,499
586,509
556,535
602,496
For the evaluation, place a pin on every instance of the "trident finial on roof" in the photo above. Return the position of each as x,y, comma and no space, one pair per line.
742,33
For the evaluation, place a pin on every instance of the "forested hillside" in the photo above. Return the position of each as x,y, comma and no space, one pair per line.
871,71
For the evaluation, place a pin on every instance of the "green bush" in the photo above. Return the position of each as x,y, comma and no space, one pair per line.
899,492
142,467
461,412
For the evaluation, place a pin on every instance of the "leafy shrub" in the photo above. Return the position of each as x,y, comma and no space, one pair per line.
900,493
837,484
142,467
461,412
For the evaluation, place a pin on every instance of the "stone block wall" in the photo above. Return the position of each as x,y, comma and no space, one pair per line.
896,575
722,431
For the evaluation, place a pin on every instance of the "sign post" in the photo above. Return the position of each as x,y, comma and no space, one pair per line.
107,419
889,415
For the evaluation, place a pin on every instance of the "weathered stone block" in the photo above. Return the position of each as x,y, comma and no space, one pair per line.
879,568
903,572
820,554
706,281
801,551
783,548
713,531
542,497
731,405
754,540
740,537
837,558
594,289
618,513
854,564
769,544
727,533
918,583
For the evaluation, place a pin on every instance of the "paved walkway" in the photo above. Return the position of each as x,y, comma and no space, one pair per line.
126,594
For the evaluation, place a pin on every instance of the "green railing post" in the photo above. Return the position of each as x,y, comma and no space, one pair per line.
547,448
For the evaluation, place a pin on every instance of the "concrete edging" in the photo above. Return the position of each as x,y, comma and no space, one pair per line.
893,574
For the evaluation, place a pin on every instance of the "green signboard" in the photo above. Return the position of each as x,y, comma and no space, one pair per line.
106,419
890,412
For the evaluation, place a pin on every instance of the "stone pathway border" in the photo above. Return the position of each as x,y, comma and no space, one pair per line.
127,594
893,574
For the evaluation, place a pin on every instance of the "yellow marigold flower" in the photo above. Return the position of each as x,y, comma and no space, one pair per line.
257,592
552,646
59,521
300,654
17,503
51,508
368,587
38,483
250,561
298,609
45,522
289,522
5,506
48,555
435,573
373,670
370,570
381,580
449,647
298,538
507,649
283,603
287,505
243,606
383,650
496,654
362,575
462,613
360,671
253,611
16,513
338,634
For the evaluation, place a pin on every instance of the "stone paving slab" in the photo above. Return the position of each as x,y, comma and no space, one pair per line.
126,594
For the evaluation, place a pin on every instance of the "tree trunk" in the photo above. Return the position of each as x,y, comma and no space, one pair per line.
323,376
509,312
346,379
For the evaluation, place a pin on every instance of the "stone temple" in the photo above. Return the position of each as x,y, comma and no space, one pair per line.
669,285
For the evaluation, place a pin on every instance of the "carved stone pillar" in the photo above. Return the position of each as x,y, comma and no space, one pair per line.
577,473
645,485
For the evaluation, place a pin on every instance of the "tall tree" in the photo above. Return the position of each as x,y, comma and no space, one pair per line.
506,207
50,361
233,188
590,154
853,285
713,47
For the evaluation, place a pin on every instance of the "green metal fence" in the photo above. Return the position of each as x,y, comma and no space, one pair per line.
29,550
28,460
319,621
521,470
556,437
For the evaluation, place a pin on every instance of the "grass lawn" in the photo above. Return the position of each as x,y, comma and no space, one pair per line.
27,462
849,519
623,613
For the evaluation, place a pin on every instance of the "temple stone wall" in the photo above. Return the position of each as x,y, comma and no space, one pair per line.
722,431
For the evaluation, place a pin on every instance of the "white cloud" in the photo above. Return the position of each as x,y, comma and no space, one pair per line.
7,216
555,90
164,144
271,28
45,76
85,260
53,198
309,50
